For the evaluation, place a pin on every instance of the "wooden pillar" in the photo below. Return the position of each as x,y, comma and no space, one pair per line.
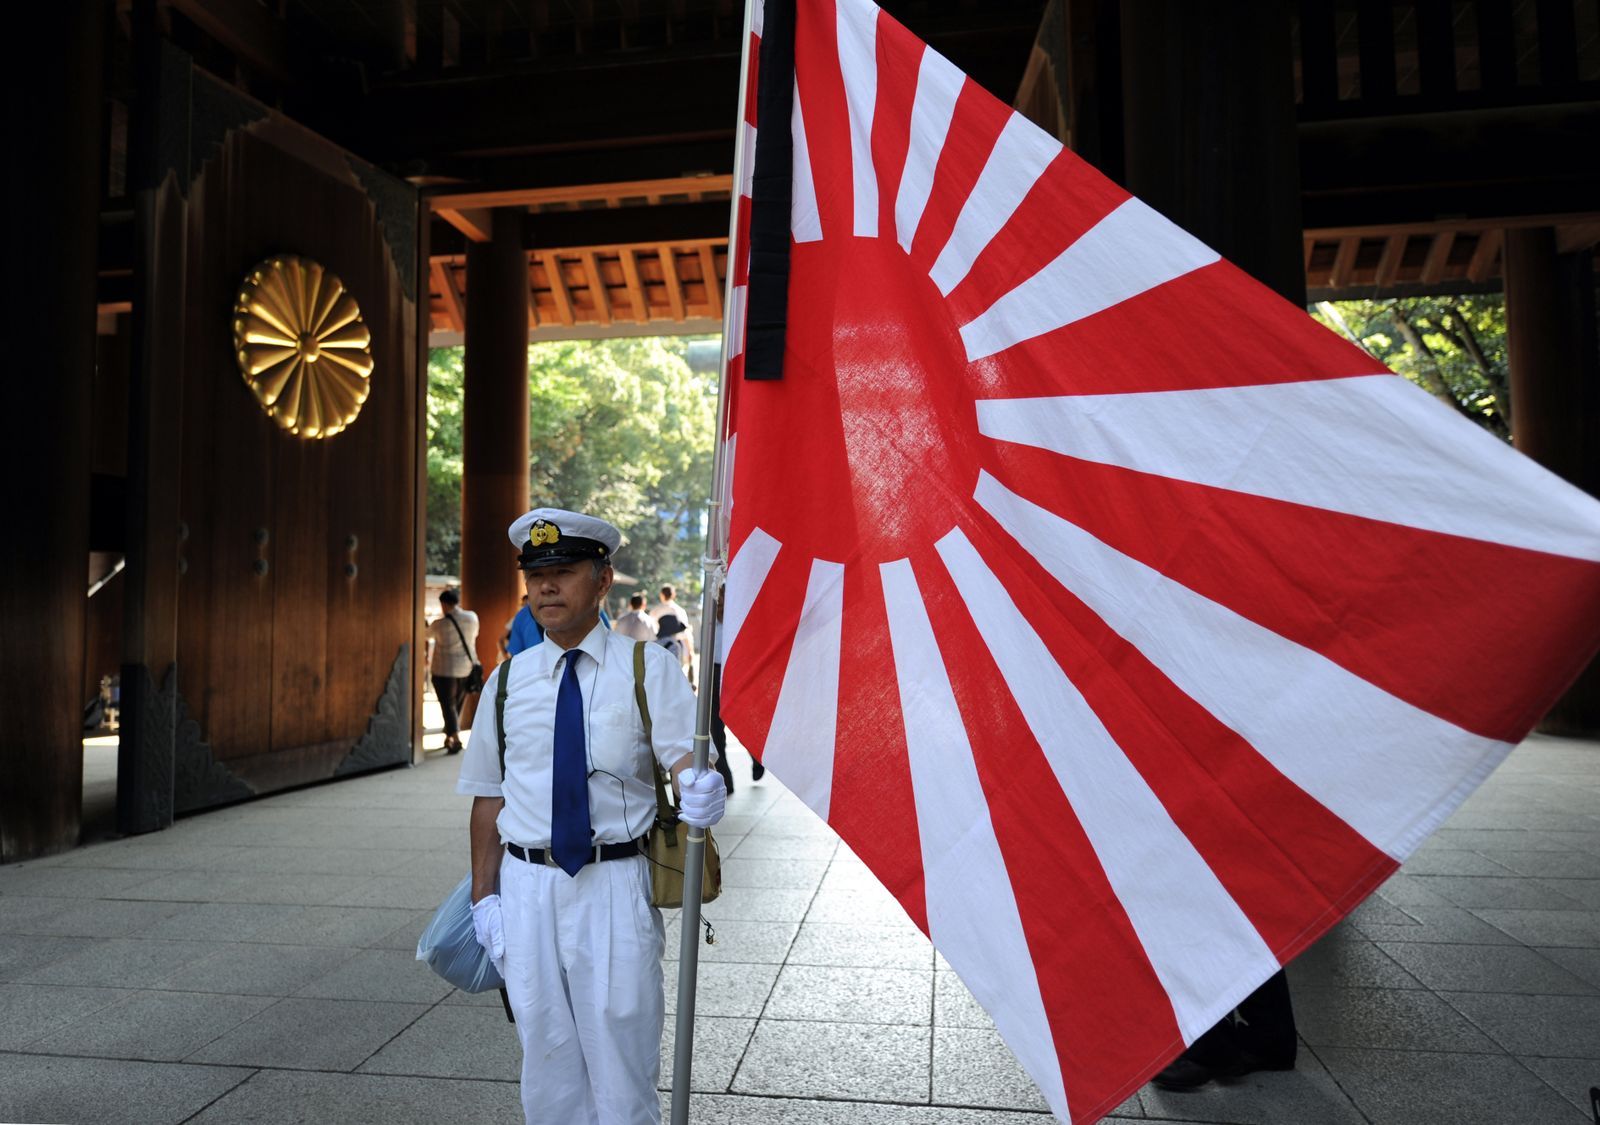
158,181
1555,397
51,372
1209,128
494,455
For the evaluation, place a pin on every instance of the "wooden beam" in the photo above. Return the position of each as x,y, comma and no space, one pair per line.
630,274
1576,236
472,222
1459,226
1344,263
708,270
581,193
1484,255
533,303
669,274
251,31
1310,248
558,287
1438,256
444,280
1394,251
597,287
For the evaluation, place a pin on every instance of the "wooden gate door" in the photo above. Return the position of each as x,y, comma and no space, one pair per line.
292,391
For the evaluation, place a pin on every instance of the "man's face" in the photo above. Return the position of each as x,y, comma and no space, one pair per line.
566,597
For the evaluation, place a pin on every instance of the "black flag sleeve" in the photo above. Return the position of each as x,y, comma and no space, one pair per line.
771,185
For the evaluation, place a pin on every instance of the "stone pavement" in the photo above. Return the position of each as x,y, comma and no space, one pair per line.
255,965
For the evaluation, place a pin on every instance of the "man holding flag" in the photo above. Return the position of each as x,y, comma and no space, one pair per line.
563,797
1235,700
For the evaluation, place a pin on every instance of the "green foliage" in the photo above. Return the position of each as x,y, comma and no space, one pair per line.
622,429
443,548
1452,347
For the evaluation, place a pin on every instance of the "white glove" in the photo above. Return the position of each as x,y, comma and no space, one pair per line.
490,933
702,797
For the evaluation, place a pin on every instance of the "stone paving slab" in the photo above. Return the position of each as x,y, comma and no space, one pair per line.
1422,1088
277,1097
109,1091
312,1034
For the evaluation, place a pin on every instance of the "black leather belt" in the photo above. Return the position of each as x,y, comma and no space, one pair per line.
602,852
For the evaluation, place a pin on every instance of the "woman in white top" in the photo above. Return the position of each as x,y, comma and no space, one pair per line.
453,650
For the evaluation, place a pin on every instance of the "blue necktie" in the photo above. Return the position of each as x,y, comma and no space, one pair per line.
571,845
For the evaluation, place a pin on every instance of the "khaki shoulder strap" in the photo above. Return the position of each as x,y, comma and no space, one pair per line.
500,710
664,807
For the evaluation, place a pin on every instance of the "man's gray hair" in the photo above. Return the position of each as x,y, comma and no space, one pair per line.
600,567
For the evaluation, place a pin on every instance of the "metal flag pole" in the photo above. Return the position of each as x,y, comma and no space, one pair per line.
712,560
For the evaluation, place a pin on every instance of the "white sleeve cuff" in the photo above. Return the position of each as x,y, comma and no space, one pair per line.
478,788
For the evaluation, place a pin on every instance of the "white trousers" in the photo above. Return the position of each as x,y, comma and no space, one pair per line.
583,974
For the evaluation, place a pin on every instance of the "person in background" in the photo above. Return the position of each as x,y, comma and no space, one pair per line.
636,623
452,651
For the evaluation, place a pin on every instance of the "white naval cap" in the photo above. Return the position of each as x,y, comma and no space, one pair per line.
547,536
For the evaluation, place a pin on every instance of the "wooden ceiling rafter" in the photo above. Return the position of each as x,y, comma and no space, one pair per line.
602,287
608,195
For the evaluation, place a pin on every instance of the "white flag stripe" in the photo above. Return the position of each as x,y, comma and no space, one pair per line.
1389,770
1164,885
747,572
972,910
800,742
857,23
747,170
758,15
1367,445
804,220
1131,250
938,86
1019,158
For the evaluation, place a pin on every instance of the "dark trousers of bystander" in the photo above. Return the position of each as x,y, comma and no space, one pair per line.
450,691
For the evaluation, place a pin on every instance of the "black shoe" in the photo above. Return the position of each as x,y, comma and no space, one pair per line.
757,770
1183,1073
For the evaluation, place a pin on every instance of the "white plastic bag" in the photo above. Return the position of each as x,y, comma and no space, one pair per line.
450,946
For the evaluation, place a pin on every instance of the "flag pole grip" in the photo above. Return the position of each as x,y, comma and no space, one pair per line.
710,598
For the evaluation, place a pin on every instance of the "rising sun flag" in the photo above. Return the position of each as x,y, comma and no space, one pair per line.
1121,618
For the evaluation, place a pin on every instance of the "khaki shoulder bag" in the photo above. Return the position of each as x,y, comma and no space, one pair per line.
669,837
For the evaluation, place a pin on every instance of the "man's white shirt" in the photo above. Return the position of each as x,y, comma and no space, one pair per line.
622,798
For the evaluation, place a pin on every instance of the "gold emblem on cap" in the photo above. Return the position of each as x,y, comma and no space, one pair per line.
543,532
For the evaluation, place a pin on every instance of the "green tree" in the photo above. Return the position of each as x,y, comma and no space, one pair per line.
443,545
1452,347
620,428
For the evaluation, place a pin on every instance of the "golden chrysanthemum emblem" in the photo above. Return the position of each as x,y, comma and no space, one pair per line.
302,347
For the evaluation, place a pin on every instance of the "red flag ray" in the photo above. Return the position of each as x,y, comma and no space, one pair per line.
898,58
1399,631
825,116
752,673
1086,956
1065,202
1286,860
973,913
975,127
1157,874
1389,770
872,803
933,105
1405,459
1209,328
